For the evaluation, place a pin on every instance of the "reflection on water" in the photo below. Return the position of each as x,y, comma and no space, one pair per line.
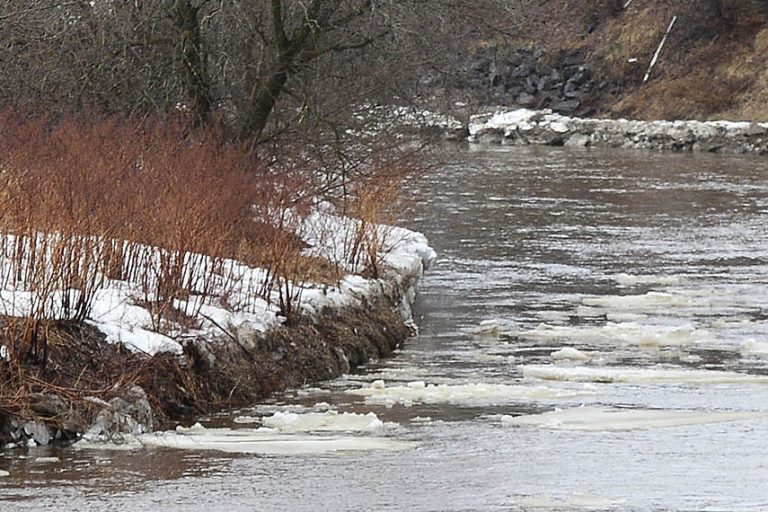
593,337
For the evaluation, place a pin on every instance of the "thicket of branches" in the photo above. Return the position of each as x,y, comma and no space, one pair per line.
182,217
259,68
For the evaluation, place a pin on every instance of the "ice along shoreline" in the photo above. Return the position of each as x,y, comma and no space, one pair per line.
544,127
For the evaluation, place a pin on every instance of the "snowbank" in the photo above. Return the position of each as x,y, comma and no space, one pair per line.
231,305
524,126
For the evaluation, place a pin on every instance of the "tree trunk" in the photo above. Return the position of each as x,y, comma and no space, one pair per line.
192,59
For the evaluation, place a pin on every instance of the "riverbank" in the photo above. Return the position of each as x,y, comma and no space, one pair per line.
544,127
95,386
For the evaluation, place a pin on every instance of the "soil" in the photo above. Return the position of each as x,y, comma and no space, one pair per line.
65,389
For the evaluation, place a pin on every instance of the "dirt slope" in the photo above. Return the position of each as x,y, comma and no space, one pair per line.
714,64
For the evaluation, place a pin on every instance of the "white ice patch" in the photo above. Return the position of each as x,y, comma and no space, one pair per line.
268,443
569,354
638,375
606,419
471,393
4,473
577,501
649,302
47,460
330,421
626,333
490,328
633,280
754,348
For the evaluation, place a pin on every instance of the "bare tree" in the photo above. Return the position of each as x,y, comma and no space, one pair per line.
261,68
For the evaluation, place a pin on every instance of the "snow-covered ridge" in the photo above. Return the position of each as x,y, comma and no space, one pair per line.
543,127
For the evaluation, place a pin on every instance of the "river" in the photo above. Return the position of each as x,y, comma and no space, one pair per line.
594,336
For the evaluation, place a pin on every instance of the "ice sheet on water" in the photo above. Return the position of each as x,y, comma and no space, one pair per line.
492,327
633,280
655,375
577,501
265,442
329,421
569,354
754,348
648,302
627,333
472,393
608,419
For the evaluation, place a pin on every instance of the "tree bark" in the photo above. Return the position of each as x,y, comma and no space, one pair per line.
192,57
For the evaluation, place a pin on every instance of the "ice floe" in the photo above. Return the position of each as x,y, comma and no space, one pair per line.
633,280
269,443
627,333
463,394
577,501
569,354
651,301
609,419
754,348
330,421
659,375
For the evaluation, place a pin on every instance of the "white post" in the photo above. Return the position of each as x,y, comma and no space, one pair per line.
658,50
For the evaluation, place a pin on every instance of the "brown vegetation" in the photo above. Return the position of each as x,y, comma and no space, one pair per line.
712,66
172,211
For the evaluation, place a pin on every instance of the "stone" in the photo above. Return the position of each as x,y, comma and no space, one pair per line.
578,140
530,84
581,76
343,360
515,60
525,99
532,81
522,71
567,106
570,72
129,414
38,431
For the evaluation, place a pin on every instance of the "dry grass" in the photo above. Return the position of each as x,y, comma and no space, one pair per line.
171,211
712,67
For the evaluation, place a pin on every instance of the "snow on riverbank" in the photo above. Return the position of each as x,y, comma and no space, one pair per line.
524,126
233,305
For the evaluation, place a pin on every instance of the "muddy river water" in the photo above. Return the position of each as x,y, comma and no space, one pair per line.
594,336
